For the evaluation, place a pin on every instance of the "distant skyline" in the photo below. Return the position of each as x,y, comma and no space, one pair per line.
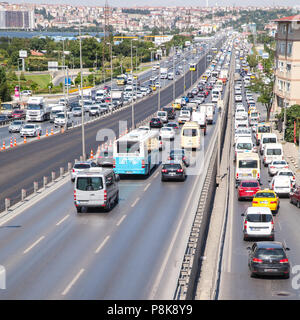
132,3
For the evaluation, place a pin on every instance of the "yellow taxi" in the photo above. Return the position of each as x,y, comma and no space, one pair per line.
153,87
252,77
177,104
266,198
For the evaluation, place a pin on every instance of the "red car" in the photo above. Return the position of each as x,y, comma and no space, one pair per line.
206,92
18,114
295,197
247,189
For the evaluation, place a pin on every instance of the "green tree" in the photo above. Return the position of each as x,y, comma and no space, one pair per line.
4,91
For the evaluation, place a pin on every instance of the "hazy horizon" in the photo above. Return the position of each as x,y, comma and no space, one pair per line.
162,3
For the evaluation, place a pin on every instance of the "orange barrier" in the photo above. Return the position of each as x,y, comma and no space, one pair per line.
47,134
52,133
15,142
92,154
11,142
25,139
3,146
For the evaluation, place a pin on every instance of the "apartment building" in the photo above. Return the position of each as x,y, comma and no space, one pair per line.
16,19
287,62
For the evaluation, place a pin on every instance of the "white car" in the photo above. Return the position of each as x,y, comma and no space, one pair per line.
81,166
60,120
282,185
31,130
144,128
184,116
16,126
167,133
238,98
163,116
258,223
277,165
26,93
287,173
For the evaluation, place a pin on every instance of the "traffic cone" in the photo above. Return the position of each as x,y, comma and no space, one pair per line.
15,142
3,147
52,132
25,139
92,154
38,136
47,134
11,142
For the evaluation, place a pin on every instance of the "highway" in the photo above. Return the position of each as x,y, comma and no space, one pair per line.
27,163
50,252
133,252
235,282
5,136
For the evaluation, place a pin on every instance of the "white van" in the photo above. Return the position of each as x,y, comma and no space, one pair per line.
244,145
265,139
162,115
247,166
95,188
272,151
258,223
282,185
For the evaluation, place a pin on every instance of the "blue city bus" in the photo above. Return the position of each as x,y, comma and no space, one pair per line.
136,153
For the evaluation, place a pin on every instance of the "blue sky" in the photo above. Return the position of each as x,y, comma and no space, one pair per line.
129,3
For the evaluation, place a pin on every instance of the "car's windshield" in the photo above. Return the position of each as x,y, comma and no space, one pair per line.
244,146
81,166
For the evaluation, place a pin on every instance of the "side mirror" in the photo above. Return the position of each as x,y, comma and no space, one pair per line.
117,177
287,249
243,214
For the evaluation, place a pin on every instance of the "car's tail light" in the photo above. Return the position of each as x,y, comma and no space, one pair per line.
164,170
74,195
284,261
273,202
245,225
143,163
254,201
179,170
258,175
105,195
286,167
237,175
272,167
257,260
114,163
73,170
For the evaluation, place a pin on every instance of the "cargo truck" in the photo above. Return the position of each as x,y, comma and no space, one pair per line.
37,109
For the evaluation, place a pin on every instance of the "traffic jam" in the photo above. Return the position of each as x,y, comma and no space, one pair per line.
171,138
263,178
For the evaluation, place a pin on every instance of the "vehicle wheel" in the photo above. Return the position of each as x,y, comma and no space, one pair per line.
117,198
239,199
253,275
298,204
286,276
78,209
108,206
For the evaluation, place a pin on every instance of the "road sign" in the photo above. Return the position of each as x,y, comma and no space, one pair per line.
22,54
68,81
52,66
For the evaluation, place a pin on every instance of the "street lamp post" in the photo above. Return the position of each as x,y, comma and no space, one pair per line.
174,80
159,86
132,103
111,75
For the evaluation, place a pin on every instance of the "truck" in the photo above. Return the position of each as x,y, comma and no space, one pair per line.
209,110
7,108
37,109
117,97
88,94
223,76
164,73
55,109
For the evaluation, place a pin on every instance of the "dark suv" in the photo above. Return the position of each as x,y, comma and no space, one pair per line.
173,170
156,123
268,258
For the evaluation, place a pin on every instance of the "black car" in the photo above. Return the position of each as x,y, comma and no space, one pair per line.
173,125
179,154
156,123
171,112
173,170
268,258
177,72
190,95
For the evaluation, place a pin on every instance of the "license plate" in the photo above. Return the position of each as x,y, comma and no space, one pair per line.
249,191
128,171
264,202
172,173
270,270
255,229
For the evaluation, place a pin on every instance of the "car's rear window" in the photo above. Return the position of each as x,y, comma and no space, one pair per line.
270,253
82,166
89,183
265,195
257,217
172,166
249,184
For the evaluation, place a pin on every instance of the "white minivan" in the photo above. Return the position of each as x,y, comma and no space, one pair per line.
258,223
282,185
244,144
272,151
96,188
265,139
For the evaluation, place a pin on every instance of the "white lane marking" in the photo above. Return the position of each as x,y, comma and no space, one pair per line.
72,282
135,202
148,185
63,219
102,244
121,220
34,244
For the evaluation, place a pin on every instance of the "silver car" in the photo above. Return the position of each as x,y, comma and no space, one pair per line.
16,126
31,130
81,166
